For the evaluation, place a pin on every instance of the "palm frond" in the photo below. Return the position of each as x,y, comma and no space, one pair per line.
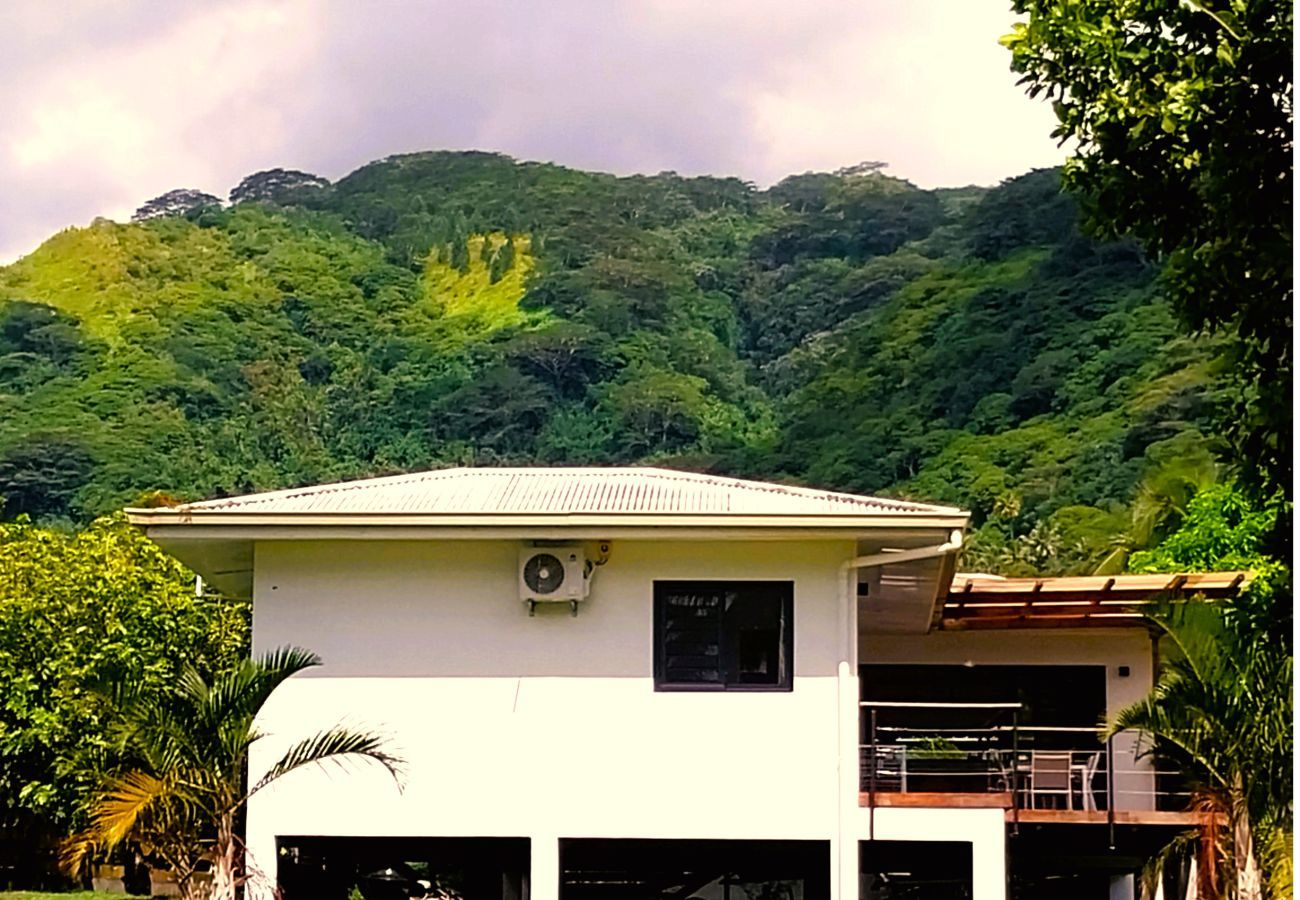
164,737
283,662
1178,852
76,852
1113,562
338,745
1214,807
1277,859
239,693
126,802
191,685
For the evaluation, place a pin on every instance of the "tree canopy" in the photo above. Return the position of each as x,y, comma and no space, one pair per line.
845,329
1181,117
79,610
178,202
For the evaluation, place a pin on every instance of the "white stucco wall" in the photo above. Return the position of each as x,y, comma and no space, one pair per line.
540,727
550,727
1112,648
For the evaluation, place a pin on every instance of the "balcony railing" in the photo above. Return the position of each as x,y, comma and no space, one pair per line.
961,749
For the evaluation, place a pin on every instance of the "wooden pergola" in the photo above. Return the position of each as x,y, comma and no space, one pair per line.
1094,601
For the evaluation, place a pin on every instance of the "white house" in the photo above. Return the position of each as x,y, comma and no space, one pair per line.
628,683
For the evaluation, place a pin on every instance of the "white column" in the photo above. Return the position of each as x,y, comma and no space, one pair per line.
1122,887
844,879
989,865
544,868
260,857
844,849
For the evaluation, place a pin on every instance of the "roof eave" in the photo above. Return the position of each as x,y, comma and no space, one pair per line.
173,518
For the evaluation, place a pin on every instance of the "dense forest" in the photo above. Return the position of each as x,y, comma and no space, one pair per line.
846,330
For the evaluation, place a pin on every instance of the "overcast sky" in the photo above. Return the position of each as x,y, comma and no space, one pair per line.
110,102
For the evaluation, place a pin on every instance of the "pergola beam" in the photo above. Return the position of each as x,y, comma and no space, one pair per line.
983,601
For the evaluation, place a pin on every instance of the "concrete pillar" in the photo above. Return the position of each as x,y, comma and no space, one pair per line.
1122,887
845,876
846,866
544,868
989,865
260,857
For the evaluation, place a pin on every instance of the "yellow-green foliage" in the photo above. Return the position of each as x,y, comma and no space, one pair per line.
75,895
471,304
108,273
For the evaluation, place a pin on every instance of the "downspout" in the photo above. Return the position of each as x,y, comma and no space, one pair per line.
849,700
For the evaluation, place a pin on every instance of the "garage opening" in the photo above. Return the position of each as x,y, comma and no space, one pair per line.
369,868
600,869
915,870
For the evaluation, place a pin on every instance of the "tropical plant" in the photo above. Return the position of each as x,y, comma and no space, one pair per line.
1222,706
77,609
182,784
1181,117
1159,504
1221,530
934,746
1222,710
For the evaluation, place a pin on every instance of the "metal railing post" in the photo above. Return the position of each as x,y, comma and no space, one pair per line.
871,781
1015,771
1110,789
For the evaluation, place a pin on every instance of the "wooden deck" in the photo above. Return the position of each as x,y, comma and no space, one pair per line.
920,800
1099,817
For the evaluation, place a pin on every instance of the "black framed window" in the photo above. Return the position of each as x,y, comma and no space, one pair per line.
724,635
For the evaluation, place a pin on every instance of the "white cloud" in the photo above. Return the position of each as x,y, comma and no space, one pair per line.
923,87
102,131
116,102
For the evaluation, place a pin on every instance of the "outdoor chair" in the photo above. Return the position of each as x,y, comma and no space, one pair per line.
1049,779
1087,774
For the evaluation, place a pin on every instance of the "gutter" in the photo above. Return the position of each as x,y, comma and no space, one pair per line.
952,545
266,518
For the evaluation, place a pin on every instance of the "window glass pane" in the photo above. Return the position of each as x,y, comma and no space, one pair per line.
717,634
759,656
690,637
754,628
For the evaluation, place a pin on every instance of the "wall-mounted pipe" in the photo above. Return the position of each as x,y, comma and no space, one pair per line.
847,765
952,545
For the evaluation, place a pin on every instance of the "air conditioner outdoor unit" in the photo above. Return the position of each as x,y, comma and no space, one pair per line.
553,575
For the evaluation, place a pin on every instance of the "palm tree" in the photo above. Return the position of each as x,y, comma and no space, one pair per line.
1222,709
183,784
1158,506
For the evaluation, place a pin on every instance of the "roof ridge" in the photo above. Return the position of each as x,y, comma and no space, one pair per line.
795,489
650,473
311,490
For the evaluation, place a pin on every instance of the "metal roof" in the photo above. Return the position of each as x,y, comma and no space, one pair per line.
591,491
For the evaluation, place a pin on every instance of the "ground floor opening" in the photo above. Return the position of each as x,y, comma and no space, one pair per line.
1085,862
1043,861
915,870
390,868
622,869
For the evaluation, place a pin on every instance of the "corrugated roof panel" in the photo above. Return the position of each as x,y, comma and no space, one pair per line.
562,491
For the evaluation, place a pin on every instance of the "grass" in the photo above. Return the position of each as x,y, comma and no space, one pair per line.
71,895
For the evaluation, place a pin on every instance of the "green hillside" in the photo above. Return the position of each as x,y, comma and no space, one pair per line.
845,330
